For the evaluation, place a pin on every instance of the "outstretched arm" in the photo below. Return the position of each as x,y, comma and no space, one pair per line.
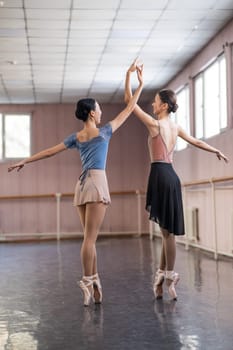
200,144
49,152
143,116
121,117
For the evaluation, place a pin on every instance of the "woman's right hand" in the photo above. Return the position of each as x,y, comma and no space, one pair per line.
136,64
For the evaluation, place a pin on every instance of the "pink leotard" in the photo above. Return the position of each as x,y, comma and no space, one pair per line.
158,149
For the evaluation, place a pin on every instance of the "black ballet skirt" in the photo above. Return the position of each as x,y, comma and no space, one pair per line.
164,198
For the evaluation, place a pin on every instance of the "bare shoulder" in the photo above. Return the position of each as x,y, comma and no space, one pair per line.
153,127
174,126
180,131
151,121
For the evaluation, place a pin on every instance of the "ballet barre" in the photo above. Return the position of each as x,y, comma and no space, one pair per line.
59,196
216,184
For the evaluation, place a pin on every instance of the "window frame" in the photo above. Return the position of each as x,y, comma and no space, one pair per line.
186,89
3,114
203,117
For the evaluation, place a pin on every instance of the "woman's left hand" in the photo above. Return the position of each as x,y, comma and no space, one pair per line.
139,70
220,156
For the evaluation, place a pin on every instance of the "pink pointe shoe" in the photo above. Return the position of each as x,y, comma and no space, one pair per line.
97,289
172,278
158,284
86,284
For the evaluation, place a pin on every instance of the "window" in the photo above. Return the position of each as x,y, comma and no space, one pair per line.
15,136
182,115
210,100
223,93
199,113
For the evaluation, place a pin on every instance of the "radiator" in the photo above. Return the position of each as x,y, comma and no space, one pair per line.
192,224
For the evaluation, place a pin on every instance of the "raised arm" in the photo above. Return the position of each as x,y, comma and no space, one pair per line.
200,144
49,152
143,116
122,116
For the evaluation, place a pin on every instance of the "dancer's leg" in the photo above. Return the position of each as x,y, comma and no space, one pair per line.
94,215
169,246
160,274
170,254
82,215
91,216
162,264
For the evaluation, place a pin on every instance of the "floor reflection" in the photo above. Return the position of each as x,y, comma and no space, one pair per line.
92,325
190,342
21,341
15,337
60,262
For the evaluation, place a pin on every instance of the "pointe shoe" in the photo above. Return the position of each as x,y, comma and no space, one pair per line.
172,278
97,289
158,282
86,284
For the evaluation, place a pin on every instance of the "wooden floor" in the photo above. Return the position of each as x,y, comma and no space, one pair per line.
41,304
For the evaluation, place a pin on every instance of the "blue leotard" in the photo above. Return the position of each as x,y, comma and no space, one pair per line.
94,152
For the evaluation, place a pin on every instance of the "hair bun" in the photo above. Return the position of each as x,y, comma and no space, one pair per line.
175,107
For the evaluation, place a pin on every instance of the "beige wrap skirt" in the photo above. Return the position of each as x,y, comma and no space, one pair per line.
92,187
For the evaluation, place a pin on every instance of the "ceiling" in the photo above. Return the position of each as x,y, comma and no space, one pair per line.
56,51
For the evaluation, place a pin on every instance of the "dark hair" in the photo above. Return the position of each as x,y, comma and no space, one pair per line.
169,97
83,108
